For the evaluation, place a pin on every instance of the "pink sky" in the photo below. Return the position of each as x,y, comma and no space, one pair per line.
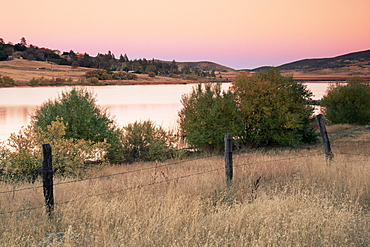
236,33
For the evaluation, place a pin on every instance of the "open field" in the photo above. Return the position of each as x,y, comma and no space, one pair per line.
22,71
300,201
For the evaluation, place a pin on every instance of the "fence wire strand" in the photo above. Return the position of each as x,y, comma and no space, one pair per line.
29,188
110,175
21,210
316,153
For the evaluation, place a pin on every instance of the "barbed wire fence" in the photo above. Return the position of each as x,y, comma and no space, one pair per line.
273,161
167,180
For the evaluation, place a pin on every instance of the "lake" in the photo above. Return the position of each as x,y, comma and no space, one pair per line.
126,104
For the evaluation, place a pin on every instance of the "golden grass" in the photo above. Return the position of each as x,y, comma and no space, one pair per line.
300,202
22,71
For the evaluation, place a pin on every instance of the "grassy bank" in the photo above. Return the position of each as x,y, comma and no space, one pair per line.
298,201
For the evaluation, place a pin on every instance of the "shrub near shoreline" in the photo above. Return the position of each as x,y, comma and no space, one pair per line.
348,103
6,81
80,132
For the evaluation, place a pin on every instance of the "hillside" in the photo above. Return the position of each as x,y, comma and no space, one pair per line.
361,58
23,70
339,67
205,65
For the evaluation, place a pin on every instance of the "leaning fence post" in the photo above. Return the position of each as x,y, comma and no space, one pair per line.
325,139
47,179
228,159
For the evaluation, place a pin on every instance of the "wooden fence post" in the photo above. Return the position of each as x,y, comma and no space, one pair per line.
228,158
325,139
47,179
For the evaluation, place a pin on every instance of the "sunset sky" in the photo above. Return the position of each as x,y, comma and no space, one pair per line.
236,33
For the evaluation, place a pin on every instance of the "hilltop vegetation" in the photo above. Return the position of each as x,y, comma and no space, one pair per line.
109,62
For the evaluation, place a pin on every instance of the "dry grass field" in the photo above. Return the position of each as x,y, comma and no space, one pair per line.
299,201
22,71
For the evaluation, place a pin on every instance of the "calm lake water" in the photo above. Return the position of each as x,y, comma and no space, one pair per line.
126,104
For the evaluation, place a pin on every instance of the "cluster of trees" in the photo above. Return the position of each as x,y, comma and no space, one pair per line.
30,52
102,74
262,109
106,61
348,103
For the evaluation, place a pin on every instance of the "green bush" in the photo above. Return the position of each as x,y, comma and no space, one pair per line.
83,119
208,114
70,156
3,55
348,104
6,81
143,141
34,82
22,158
192,77
93,80
275,108
55,81
123,75
101,74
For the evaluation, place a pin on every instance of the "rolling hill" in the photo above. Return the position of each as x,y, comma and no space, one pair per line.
351,64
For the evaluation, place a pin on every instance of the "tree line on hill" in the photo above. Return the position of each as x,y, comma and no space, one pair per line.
106,61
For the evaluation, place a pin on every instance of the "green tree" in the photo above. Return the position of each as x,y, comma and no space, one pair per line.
83,119
75,65
23,41
3,55
275,108
143,141
207,114
348,103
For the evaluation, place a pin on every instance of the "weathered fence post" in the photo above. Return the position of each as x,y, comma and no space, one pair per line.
325,139
47,179
228,159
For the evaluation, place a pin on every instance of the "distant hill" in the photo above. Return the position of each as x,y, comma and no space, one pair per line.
205,65
356,59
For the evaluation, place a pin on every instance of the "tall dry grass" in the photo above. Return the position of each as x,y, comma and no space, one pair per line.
299,201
